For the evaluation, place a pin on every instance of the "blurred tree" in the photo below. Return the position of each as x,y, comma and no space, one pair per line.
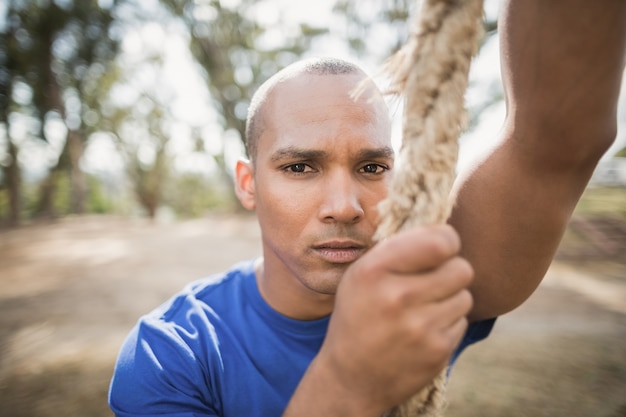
621,153
191,195
141,126
59,50
388,22
9,164
376,29
239,44
148,163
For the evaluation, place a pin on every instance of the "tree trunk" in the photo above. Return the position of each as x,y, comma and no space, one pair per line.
78,182
13,180
47,190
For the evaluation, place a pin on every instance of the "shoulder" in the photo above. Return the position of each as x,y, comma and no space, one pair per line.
198,307
174,351
188,319
206,293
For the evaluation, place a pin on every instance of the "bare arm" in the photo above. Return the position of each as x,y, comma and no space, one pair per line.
562,64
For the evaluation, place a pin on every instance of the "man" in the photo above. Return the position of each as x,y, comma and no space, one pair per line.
260,340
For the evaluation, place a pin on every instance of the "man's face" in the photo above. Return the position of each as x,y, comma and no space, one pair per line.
322,166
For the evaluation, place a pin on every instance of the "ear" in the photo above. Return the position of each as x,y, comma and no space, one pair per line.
244,184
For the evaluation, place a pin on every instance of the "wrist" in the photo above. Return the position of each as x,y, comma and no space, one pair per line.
324,391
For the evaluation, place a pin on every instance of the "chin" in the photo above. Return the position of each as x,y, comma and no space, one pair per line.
326,283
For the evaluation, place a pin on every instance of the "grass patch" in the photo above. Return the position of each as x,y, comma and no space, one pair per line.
597,201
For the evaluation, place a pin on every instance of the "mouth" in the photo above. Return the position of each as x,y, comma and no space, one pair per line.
340,252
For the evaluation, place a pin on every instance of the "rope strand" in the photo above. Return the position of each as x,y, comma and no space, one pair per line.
431,72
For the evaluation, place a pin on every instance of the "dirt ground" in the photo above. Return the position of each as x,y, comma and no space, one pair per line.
71,290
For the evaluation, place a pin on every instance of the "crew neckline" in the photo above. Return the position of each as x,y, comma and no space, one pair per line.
253,294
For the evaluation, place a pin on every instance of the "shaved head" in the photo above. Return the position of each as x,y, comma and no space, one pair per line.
256,121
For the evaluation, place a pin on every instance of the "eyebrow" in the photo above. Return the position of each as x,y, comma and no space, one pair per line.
292,152
376,153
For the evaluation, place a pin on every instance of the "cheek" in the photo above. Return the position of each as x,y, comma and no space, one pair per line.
285,205
373,196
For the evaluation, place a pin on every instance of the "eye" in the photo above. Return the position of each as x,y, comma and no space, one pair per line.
373,169
299,168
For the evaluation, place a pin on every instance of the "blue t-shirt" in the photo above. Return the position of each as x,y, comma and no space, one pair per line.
218,349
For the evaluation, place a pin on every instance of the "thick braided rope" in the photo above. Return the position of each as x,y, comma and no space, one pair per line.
431,72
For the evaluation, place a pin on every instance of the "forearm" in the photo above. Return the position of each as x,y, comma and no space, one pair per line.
320,393
511,240
562,64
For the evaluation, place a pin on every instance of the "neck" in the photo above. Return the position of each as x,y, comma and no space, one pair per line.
290,298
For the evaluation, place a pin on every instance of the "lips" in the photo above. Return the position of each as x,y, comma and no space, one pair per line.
339,252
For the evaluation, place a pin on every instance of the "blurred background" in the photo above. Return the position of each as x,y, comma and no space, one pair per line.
120,123
138,107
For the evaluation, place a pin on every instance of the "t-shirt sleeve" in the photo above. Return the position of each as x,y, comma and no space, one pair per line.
475,332
158,373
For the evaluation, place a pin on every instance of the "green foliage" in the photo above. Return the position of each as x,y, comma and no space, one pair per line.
97,201
193,195
4,206
56,54
232,47
61,198
31,196
621,153
364,18
602,200
149,180
65,56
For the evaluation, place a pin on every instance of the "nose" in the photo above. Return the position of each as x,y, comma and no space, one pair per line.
340,200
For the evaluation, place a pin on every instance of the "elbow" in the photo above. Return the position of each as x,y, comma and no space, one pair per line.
562,146
499,300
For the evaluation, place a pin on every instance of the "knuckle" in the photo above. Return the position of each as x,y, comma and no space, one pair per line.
458,271
465,268
418,330
461,268
445,240
439,246
394,298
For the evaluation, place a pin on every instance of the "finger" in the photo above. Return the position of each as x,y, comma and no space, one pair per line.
421,248
448,279
433,286
439,327
446,313
455,333
453,328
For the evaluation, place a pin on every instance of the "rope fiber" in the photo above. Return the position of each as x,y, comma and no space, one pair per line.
431,73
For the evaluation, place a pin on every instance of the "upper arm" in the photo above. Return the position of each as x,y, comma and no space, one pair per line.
562,71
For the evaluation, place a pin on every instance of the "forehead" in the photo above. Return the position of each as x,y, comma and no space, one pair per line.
312,111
